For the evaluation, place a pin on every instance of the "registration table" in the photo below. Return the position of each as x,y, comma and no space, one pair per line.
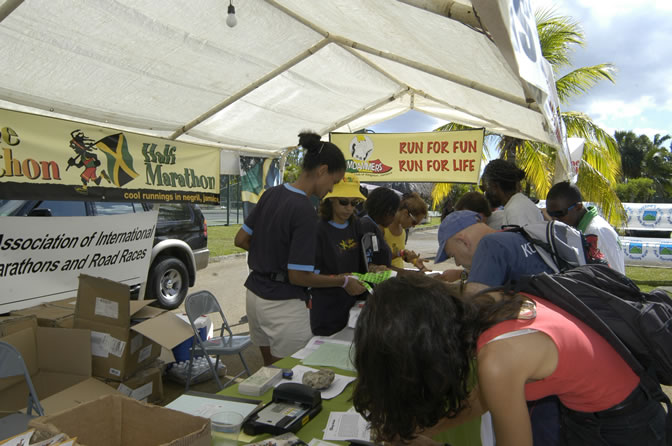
461,436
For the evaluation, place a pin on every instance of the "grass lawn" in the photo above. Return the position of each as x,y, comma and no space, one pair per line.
220,240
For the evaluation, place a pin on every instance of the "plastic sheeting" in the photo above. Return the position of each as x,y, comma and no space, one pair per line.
174,69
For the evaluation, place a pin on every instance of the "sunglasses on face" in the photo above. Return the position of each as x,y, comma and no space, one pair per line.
413,219
345,202
561,212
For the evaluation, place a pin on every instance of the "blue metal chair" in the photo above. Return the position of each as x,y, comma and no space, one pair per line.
203,303
12,365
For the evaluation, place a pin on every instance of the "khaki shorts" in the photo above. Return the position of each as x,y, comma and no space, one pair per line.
282,325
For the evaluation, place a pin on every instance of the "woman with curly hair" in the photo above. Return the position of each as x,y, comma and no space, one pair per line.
412,210
416,345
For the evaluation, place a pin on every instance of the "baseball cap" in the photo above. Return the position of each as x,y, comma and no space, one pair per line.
451,225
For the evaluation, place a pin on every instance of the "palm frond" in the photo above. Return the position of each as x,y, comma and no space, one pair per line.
439,193
597,189
557,34
582,79
535,160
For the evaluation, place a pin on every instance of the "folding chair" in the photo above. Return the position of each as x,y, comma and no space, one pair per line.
11,365
203,303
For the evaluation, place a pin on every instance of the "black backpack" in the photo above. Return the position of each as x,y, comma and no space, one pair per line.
560,246
637,324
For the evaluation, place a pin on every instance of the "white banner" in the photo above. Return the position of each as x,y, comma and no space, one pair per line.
41,258
654,216
575,156
647,251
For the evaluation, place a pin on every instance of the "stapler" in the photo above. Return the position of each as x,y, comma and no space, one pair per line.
292,406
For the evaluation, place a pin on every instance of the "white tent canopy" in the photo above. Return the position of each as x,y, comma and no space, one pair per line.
174,69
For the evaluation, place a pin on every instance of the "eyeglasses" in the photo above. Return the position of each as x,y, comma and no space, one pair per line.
561,212
413,219
345,202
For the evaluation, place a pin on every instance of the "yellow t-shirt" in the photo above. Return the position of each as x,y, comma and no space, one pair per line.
396,244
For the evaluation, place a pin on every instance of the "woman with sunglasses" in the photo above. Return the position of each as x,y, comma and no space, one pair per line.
412,210
338,252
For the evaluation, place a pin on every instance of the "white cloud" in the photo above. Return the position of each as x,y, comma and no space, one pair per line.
604,11
649,132
618,109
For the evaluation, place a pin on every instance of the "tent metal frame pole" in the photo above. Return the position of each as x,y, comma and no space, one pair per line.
410,63
513,133
366,110
251,87
8,7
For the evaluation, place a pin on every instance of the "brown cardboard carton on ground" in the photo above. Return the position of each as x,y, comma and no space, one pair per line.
116,420
146,385
120,344
50,315
59,363
12,324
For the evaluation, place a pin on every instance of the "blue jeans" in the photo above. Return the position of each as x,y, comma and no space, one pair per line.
545,420
638,420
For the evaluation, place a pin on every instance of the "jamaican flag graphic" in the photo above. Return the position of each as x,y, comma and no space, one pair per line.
119,161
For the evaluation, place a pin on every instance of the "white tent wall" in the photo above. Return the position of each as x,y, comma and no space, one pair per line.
174,69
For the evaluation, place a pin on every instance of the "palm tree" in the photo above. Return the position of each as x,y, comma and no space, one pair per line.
600,166
658,140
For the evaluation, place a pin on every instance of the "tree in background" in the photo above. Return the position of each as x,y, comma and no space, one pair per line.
638,190
292,165
644,162
600,167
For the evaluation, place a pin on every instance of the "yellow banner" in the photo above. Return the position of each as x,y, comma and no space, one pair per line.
437,157
48,158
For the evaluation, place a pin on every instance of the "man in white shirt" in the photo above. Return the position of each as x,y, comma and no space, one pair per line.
565,203
501,184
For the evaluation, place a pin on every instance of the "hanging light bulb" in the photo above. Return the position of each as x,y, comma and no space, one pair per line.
231,16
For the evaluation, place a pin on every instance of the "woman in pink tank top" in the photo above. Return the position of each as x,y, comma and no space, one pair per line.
415,346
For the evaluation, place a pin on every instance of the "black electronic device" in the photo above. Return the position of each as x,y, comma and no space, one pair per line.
293,405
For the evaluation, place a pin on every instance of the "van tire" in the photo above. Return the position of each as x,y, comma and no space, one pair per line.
168,283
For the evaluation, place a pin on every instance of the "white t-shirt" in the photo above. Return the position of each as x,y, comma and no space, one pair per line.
521,211
608,242
496,219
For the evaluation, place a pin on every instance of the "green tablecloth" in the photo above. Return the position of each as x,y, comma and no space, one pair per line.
464,435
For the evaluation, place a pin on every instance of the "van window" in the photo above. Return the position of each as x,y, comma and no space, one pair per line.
61,208
174,212
113,208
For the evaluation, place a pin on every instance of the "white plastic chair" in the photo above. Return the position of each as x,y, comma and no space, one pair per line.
203,303
11,365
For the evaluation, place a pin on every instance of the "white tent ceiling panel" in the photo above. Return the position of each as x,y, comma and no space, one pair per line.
174,69
382,113
518,120
415,35
316,93
133,61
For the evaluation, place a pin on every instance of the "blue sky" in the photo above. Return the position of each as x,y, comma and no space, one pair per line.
635,37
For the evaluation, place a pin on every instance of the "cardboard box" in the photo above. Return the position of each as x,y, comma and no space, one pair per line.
59,363
126,335
12,324
116,420
146,385
60,314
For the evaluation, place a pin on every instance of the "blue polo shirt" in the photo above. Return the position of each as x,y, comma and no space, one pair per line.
283,226
504,256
